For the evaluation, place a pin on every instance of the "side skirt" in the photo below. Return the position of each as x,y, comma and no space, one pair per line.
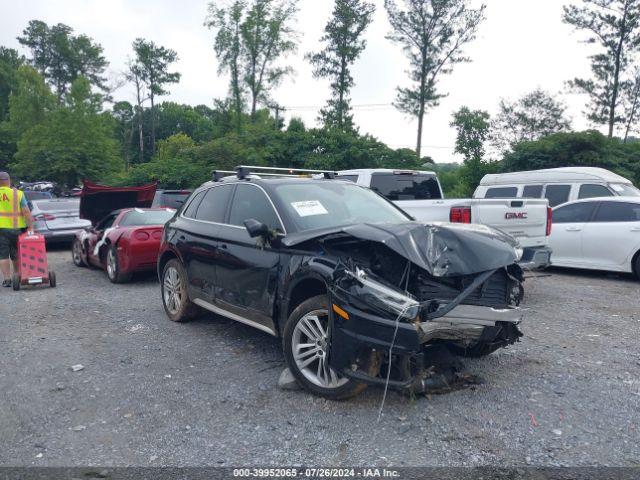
233,316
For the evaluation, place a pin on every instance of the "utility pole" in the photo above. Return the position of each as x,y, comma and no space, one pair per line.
277,107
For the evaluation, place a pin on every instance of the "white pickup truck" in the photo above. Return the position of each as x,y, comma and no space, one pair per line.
420,195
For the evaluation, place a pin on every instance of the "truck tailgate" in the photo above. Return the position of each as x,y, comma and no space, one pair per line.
525,219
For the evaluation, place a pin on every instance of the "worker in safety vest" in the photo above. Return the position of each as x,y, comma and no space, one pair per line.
15,218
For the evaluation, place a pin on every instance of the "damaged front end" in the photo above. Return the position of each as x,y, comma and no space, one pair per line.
399,313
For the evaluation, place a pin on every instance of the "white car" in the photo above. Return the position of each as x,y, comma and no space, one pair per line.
597,233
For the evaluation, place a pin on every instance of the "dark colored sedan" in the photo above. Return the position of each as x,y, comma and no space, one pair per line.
355,288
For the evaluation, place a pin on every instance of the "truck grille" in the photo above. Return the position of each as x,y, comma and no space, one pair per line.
493,293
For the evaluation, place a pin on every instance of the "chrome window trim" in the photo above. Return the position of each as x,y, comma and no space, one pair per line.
284,230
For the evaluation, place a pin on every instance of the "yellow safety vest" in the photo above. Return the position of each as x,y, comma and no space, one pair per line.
10,211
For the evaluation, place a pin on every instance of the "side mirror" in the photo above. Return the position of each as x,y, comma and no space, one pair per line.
256,228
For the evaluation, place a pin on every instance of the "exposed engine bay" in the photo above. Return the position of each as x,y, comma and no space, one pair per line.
402,295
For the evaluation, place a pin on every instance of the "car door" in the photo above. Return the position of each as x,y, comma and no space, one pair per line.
247,269
95,238
613,236
197,242
566,233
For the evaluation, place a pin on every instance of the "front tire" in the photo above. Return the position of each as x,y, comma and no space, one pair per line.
112,265
175,299
76,253
305,344
636,266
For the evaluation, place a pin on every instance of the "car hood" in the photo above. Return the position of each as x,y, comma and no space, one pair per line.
442,249
97,201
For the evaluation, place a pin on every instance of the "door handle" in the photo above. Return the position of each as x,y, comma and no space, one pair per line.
223,246
573,229
182,238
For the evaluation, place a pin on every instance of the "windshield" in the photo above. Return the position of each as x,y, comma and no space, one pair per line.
333,204
146,217
625,190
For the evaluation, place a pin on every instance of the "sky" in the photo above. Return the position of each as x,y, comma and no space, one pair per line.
522,45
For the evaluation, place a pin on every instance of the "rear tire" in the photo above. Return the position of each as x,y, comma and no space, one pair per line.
15,282
636,266
175,299
112,266
52,279
307,325
76,253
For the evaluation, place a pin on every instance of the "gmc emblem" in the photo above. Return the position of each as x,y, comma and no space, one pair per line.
515,215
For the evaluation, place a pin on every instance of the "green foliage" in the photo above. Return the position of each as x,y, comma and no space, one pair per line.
432,34
472,129
344,45
250,40
535,115
61,57
582,149
614,25
10,61
70,143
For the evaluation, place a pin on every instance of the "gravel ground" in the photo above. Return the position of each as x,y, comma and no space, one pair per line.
153,392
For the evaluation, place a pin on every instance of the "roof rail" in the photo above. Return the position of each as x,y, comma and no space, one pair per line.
244,171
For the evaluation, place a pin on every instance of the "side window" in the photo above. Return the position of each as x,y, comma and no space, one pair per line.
591,191
251,202
350,178
557,194
214,204
532,191
618,212
190,211
406,186
502,192
107,222
574,213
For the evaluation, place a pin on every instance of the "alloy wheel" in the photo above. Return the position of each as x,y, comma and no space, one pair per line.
310,350
112,267
172,290
77,253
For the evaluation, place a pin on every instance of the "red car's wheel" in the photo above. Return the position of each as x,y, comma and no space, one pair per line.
113,267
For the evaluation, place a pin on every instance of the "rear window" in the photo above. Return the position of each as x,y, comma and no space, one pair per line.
557,194
624,190
502,192
31,195
618,212
50,206
350,178
146,217
592,190
406,186
532,191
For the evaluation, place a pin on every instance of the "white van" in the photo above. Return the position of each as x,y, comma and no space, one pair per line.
558,185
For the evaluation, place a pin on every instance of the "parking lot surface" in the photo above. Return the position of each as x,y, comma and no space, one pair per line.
152,392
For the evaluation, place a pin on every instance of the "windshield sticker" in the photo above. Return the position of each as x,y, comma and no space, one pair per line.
309,208
617,188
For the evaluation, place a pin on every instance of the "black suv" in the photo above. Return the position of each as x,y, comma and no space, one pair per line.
355,288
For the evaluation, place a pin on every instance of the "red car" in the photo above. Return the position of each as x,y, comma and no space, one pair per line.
125,234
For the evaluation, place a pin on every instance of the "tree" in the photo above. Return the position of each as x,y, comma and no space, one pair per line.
71,143
576,149
432,34
134,75
124,115
535,115
267,35
10,61
631,102
249,41
472,127
61,57
344,45
614,25
152,64
228,48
